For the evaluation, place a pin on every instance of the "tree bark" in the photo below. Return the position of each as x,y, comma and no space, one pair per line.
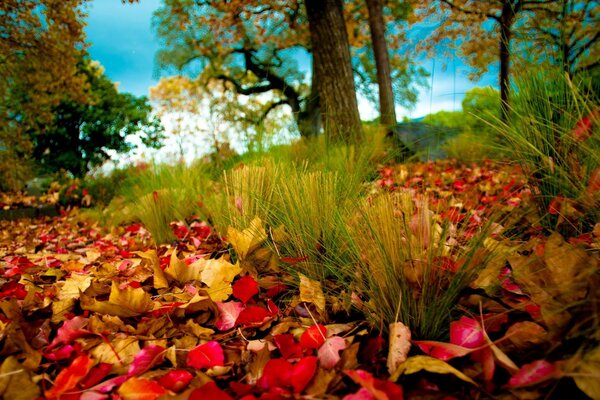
506,21
309,119
384,76
332,62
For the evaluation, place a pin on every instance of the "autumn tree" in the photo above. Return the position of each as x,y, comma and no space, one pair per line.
568,33
253,49
40,42
85,133
467,24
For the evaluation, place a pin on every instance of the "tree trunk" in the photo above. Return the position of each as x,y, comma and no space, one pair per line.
382,61
309,119
333,67
506,21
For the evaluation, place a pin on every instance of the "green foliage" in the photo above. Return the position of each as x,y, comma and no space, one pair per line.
446,119
84,133
553,135
468,147
481,106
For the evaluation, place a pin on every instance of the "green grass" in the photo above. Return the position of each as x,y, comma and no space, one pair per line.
540,137
403,247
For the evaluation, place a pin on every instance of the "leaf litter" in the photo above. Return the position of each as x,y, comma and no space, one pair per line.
89,314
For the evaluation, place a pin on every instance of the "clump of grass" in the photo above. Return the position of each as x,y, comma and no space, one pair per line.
309,206
160,195
241,195
413,265
553,135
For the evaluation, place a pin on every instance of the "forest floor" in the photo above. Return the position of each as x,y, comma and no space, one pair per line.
89,313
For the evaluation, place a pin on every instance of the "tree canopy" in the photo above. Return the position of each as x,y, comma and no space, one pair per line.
251,47
40,41
83,134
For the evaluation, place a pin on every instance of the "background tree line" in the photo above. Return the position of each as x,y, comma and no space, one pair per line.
57,109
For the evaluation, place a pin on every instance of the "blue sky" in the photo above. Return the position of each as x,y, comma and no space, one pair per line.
122,39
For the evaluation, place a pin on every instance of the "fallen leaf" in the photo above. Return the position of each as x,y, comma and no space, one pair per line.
140,389
245,288
158,275
536,372
442,351
146,359
208,391
425,363
16,382
206,355
249,239
303,372
311,292
218,275
313,337
399,345
69,377
587,372
176,380
128,302
228,314
329,352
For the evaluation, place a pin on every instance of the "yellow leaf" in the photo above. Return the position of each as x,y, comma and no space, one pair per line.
128,302
159,278
587,374
180,272
120,352
73,285
311,292
249,239
430,364
16,382
218,275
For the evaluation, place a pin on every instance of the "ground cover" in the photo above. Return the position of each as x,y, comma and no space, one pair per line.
90,313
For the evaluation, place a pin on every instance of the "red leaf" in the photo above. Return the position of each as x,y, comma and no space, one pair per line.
288,346
253,316
96,375
593,184
453,215
207,355
228,314
313,337
61,354
369,353
146,359
175,380
466,332
531,374
442,351
555,205
583,128
69,377
329,351
276,373
245,288
209,391
141,389
13,289
378,389
303,372
71,330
